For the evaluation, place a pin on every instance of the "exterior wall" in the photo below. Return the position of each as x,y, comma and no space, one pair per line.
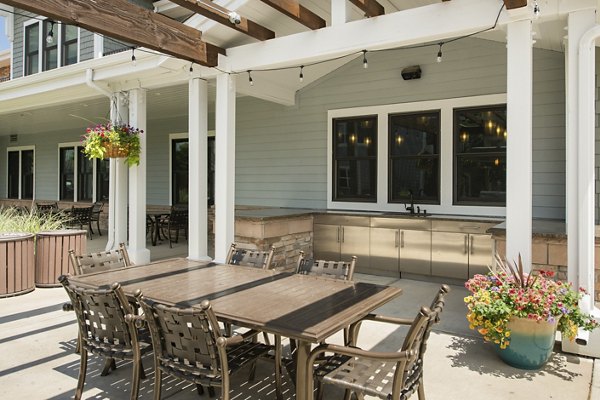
18,42
86,45
281,155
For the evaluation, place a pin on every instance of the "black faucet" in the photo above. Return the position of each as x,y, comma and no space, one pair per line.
410,208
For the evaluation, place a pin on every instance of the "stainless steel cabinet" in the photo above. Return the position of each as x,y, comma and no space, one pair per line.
338,237
460,249
400,245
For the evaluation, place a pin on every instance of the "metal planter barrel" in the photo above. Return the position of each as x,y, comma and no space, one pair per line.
52,254
16,264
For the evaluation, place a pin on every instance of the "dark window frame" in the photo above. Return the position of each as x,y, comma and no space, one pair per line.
22,181
498,154
28,54
210,169
434,157
336,197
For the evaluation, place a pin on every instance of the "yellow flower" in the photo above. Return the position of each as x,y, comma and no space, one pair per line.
507,333
483,331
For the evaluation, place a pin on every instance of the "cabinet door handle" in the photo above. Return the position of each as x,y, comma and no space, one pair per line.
402,239
338,233
396,241
466,244
471,245
343,234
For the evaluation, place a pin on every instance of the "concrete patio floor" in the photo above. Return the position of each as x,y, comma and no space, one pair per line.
37,359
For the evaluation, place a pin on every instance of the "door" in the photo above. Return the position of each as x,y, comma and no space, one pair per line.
384,252
326,242
355,242
415,252
481,254
450,254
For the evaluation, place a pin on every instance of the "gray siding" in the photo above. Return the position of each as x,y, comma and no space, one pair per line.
86,45
17,66
281,155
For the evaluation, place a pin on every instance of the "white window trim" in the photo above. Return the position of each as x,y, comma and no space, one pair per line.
20,149
446,108
42,39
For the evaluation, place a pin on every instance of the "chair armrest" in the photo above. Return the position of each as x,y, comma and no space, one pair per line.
68,307
355,327
358,352
138,320
230,341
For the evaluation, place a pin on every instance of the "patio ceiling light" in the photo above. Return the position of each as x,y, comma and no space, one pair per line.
536,9
301,74
234,18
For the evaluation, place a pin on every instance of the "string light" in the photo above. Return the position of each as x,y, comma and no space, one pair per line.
439,54
365,62
250,78
50,35
536,9
133,56
191,69
301,74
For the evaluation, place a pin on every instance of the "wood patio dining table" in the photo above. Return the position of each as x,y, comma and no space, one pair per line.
301,307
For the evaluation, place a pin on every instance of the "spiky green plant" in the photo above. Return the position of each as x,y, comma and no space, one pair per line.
15,220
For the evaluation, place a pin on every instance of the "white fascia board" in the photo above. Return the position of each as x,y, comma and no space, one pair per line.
425,24
267,90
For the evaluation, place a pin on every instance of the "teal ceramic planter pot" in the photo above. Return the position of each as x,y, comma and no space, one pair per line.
531,343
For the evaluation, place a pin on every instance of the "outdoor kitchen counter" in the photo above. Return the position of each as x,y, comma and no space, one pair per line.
543,229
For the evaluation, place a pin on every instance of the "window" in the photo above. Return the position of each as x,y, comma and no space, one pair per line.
355,159
20,173
414,169
480,155
180,168
76,175
44,51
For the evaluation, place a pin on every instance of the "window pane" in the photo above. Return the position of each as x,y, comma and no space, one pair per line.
67,173
180,171
355,159
416,177
69,54
480,155
481,179
27,174
50,58
102,177
13,174
414,143
32,48
69,32
85,183
211,170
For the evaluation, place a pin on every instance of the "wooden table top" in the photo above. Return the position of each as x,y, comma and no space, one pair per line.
297,306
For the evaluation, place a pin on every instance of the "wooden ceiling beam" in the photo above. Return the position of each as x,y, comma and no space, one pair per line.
297,12
221,15
512,4
122,20
371,8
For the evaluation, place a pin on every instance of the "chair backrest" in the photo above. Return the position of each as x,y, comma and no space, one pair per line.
97,207
178,216
46,206
81,215
409,372
101,261
330,269
101,318
184,339
250,258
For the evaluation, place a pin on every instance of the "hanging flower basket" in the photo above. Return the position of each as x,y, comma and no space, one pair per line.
113,141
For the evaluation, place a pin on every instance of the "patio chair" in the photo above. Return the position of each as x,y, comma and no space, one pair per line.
329,269
104,331
250,258
386,375
46,207
101,261
189,345
175,222
82,217
96,211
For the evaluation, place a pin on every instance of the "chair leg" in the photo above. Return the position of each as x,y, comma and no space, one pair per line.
157,381
421,389
200,389
82,372
142,372
98,225
277,366
135,378
109,363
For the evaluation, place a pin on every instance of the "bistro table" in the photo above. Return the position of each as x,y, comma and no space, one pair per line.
301,307
155,221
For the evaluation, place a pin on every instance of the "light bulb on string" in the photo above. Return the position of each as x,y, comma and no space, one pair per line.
365,62
301,76
50,35
250,78
191,69
439,54
536,9
133,60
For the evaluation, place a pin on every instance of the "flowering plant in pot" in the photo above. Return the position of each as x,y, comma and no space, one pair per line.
507,295
113,141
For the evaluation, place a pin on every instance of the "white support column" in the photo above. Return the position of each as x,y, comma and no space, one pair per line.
198,161
121,175
578,23
519,191
340,12
137,182
224,165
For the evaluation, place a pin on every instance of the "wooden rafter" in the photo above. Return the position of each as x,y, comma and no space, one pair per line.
297,12
220,15
371,8
122,20
511,4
